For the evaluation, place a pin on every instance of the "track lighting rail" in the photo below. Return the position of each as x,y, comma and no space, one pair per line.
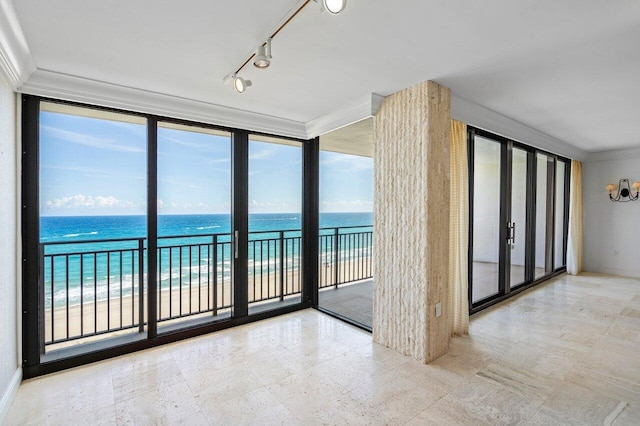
262,54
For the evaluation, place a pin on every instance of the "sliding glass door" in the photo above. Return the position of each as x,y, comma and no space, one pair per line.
517,226
194,225
275,223
518,216
486,217
544,214
345,278
561,213
92,226
140,230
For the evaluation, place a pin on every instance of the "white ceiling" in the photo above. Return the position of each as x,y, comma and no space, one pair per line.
566,68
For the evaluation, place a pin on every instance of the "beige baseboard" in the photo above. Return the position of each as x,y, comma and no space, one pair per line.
9,394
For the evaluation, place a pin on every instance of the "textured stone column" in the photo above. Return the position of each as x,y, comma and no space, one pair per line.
411,215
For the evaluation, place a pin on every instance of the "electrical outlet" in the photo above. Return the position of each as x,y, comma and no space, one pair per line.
438,309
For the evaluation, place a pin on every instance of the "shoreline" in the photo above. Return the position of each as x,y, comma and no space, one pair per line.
93,316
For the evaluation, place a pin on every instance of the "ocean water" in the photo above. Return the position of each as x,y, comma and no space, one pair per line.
82,228
97,257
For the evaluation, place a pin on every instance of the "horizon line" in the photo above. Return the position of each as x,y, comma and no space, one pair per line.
190,214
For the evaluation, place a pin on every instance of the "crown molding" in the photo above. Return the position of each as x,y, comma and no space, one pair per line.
363,108
487,119
16,63
617,154
72,88
78,89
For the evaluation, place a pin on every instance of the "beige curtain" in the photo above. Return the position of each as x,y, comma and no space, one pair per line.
574,243
459,232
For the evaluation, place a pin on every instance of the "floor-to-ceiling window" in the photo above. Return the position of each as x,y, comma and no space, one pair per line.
486,218
561,212
518,216
92,193
194,224
544,220
345,269
140,230
275,221
517,227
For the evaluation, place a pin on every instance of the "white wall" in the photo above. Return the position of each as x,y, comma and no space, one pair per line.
9,276
485,118
611,230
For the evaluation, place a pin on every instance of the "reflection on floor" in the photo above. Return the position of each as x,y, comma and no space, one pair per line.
485,278
353,301
565,352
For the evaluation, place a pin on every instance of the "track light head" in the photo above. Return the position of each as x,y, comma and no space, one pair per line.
334,6
229,78
262,58
240,84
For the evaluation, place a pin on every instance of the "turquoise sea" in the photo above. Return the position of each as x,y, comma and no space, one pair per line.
80,264
78,228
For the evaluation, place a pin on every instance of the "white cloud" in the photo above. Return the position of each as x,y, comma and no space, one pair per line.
347,206
89,202
347,162
270,204
218,161
88,140
183,142
95,172
261,155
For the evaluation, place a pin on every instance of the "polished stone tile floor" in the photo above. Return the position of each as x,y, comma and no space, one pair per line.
566,352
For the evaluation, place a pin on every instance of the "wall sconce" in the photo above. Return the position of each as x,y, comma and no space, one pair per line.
624,191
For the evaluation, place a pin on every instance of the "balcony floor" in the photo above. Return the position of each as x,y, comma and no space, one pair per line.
565,352
353,301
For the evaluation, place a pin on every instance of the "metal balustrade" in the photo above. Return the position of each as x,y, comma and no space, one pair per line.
346,255
96,287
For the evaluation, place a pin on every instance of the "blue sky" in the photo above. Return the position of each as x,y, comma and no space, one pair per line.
91,166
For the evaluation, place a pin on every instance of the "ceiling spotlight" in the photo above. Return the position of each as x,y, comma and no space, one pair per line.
240,84
229,78
262,58
334,6
262,55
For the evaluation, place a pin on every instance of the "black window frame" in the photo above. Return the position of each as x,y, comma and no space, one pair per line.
507,145
32,299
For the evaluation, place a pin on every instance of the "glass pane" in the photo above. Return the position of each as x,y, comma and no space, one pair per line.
194,216
92,226
486,218
346,236
518,215
541,214
275,218
560,197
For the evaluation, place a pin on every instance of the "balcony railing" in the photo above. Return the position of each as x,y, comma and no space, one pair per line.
346,255
96,287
